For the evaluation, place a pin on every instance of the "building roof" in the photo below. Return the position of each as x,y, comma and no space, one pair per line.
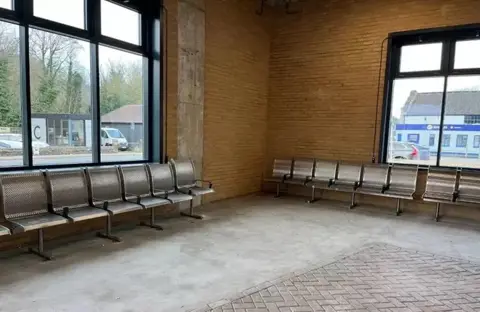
125,114
430,103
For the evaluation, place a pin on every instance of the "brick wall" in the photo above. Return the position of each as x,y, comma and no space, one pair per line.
324,66
236,86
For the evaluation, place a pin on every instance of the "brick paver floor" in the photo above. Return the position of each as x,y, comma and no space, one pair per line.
377,278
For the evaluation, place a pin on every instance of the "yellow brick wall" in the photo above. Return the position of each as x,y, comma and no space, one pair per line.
324,66
236,86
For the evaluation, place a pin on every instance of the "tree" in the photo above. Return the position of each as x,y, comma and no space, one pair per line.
10,116
9,98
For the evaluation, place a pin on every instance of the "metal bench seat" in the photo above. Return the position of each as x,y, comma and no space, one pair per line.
281,169
25,206
347,179
69,195
138,189
4,230
469,187
441,188
163,184
106,193
302,172
323,176
186,182
374,179
402,183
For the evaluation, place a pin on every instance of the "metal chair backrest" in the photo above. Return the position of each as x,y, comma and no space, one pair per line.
374,175
441,183
403,178
136,180
469,184
184,173
162,178
69,188
23,194
348,172
105,183
302,168
325,170
281,167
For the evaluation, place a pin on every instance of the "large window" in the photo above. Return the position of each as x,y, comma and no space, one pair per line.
433,80
79,82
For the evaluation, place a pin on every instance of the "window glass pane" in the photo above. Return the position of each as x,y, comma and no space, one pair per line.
421,57
11,152
69,12
431,141
446,140
467,54
6,4
415,116
476,141
121,105
60,95
120,23
462,111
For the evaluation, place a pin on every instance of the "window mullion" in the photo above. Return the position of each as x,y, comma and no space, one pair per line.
25,97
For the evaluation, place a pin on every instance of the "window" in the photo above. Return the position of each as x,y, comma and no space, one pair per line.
462,140
476,141
446,140
121,104
413,138
433,90
120,23
6,4
421,57
69,12
431,140
75,90
466,54
472,119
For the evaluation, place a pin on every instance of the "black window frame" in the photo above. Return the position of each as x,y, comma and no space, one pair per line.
150,48
448,36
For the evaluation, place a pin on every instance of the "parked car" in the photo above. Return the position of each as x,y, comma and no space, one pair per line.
113,137
15,140
407,150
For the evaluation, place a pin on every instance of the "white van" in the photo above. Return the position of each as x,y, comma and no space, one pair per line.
113,137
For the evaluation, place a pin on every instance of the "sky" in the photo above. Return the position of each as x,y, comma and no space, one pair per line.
428,57
117,22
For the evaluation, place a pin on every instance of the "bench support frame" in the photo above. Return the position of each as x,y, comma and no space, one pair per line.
190,213
39,251
399,207
108,231
353,204
437,212
152,224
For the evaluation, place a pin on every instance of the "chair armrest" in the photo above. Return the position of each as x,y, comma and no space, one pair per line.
156,191
385,188
356,184
104,202
210,184
455,196
65,212
307,179
183,192
138,199
286,176
331,182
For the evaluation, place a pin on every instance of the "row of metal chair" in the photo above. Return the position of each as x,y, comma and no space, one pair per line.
457,186
41,199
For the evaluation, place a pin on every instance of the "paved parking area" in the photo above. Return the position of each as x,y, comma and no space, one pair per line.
377,278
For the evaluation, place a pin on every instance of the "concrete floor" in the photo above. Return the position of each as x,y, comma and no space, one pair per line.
242,243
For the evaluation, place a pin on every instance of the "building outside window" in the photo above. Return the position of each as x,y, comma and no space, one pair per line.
71,71
434,91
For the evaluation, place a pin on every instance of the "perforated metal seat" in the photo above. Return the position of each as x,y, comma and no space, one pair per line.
302,172
442,187
469,187
70,195
138,189
403,182
374,179
4,230
323,176
163,184
25,205
281,169
347,178
106,192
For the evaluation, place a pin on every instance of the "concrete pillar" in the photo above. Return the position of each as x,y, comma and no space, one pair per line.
191,81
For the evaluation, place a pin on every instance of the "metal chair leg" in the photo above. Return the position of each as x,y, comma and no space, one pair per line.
353,204
191,214
108,231
40,252
437,213
152,224
312,200
399,210
278,191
